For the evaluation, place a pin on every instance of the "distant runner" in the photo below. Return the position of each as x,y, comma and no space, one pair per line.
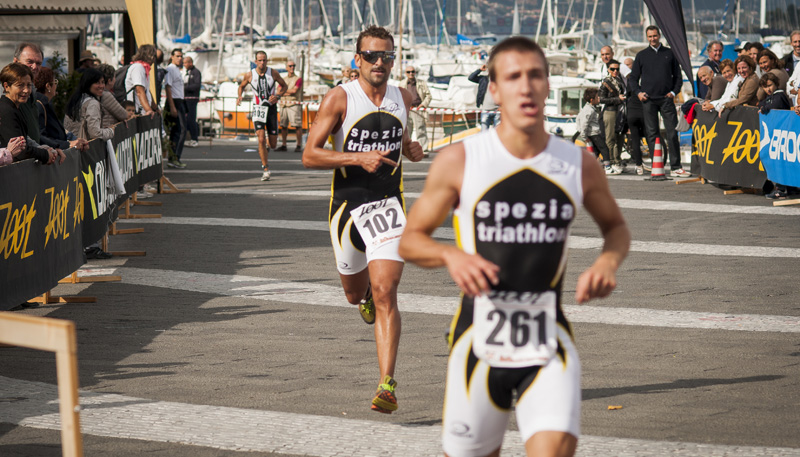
262,80
515,191
367,121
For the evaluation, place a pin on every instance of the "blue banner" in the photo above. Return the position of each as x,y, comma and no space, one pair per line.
780,146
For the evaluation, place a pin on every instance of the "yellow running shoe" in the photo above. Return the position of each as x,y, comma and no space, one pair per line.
385,402
367,307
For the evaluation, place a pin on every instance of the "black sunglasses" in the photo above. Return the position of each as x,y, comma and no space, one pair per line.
373,56
411,72
613,68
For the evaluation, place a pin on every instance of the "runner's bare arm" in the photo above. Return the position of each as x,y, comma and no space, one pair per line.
330,116
471,272
600,279
245,82
411,149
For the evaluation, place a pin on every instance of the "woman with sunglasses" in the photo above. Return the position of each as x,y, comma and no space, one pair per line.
613,96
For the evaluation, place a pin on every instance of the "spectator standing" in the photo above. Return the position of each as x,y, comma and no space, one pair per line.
161,73
484,101
656,79
192,82
588,124
606,55
17,83
635,123
752,49
86,60
173,83
612,95
137,80
112,112
84,117
769,63
420,98
50,126
714,50
30,55
291,113
790,60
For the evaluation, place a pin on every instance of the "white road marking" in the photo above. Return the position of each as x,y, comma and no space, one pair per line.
625,203
35,404
281,290
575,242
275,172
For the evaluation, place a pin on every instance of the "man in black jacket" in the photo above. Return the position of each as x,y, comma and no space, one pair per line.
655,80
491,118
191,97
790,60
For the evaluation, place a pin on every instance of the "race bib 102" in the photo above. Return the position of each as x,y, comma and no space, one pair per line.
515,334
379,222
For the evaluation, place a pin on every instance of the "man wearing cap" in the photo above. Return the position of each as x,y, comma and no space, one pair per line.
87,60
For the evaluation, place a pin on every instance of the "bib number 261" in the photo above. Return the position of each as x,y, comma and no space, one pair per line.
513,335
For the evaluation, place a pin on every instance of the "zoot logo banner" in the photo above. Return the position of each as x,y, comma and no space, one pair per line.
41,217
726,149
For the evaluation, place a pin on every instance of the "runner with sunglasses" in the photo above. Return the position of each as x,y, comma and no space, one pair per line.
263,80
366,119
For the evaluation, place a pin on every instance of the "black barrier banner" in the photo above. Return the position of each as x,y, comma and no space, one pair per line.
726,149
99,191
123,142
148,148
42,214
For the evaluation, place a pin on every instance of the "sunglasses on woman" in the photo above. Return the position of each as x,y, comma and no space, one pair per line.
373,56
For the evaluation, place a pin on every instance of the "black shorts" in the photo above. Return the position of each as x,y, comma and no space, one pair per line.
272,121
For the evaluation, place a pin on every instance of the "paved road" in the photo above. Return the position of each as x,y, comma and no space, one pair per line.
232,335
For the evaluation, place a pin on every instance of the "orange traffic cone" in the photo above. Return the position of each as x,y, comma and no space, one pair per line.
657,172
590,148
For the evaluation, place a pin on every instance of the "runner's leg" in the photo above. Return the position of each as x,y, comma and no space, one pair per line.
551,444
385,276
263,152
355,286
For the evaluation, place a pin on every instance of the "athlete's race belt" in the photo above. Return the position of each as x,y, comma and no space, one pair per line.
379,222
512,334
260,113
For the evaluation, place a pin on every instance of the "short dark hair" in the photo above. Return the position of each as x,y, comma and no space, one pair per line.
769,78
44,77
652,27
21,47
107,70
176,50
519,44
589,94
128,104
754,44
612,61
13,72
261,52
374,31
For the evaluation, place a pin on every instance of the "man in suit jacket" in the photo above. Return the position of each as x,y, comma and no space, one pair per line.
790,60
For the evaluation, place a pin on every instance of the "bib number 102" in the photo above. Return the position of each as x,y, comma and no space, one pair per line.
379,223
520,331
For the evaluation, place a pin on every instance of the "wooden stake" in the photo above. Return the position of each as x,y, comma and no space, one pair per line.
53,335
173,189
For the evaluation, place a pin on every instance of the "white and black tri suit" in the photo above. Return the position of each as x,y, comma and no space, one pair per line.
366,127
264,86
517,214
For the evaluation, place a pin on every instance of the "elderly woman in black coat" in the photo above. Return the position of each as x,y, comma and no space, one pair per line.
50,126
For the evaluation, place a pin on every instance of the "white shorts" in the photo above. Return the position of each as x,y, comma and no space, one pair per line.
478,398
351,254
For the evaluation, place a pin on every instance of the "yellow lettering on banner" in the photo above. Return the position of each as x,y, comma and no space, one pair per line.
57,220
703,139
742,146
77,212
89,179
16,229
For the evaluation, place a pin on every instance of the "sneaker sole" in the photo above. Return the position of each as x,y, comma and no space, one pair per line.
384,406
377,408
368,318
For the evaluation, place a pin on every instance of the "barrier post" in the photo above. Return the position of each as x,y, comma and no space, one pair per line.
53,335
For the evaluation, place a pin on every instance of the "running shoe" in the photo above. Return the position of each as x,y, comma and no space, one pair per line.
281,148
367,307
639,170
385,401
173,163
266,175
180,164
680,173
